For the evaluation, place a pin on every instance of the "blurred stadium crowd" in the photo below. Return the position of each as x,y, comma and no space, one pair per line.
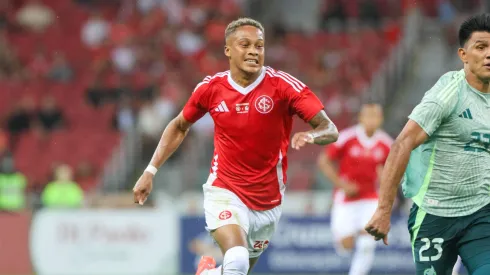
76,76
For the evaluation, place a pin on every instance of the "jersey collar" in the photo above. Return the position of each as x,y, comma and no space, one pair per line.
249,88
366,142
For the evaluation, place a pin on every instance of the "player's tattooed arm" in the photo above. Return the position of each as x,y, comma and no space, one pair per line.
324,130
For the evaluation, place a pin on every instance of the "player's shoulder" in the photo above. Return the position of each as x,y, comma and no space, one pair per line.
210,81
448,85
283,80
347,135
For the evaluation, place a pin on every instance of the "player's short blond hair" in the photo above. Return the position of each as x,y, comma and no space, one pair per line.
240,22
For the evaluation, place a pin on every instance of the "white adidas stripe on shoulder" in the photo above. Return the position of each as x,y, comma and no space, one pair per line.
297,85
450,89
208,79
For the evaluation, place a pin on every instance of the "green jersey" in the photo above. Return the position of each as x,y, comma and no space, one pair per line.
449,175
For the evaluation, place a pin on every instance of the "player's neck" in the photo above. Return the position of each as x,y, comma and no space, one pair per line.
369,134
242,78
475,82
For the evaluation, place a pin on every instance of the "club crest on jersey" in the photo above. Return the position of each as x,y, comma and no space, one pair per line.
264,104
242,108
224,215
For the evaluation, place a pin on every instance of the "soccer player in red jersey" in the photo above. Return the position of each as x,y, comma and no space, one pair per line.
252,107
360,152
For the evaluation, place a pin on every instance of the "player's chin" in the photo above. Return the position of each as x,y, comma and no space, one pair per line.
251,68
485,75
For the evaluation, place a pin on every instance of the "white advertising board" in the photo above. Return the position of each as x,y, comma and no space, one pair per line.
105,242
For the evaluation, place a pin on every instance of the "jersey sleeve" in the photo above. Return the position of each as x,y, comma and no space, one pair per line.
437,103
197,105
302,101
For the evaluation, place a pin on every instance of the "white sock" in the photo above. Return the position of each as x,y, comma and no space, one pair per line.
214,271
457,266
363,256
235,262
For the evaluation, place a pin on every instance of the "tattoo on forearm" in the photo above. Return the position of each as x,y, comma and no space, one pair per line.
324,131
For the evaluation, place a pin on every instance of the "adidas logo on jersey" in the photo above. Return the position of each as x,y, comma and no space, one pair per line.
222,108
466,114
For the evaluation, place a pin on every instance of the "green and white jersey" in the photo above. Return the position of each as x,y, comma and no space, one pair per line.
449,175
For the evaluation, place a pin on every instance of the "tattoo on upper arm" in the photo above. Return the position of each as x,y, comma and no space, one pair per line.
319,119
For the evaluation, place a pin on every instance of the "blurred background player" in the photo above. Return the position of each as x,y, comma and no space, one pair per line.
360,153
443,156
252,107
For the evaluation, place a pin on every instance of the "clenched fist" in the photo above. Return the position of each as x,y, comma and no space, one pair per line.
379,225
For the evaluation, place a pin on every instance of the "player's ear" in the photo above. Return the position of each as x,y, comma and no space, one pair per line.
227,51
462,55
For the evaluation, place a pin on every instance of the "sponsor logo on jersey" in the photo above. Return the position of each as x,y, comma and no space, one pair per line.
224,215
264,104
242,108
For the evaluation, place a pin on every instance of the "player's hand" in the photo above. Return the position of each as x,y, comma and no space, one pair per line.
350,189
142,188
379,225
300,139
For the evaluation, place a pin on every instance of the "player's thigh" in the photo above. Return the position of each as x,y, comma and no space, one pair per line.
263,225
366,209
227,218
474,245
433,242
345,220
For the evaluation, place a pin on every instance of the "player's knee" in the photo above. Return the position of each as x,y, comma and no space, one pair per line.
236,261
347,243
365,243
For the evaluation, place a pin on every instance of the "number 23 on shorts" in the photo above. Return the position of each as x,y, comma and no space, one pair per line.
431,250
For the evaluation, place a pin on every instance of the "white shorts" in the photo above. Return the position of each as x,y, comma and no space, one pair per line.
223,207
350,218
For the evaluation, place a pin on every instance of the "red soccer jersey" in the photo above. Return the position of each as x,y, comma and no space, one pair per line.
252,129
359,157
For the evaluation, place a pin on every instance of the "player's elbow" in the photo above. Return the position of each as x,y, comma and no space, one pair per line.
181,124
331,136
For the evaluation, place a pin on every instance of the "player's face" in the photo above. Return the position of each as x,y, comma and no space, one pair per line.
245,49
476,55
371,117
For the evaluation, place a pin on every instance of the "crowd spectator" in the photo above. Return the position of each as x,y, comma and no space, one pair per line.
50,116
10,67
6,15
95,31
124,57
21,118
35,16
39,65
60,70
124,119
63,192
12,185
